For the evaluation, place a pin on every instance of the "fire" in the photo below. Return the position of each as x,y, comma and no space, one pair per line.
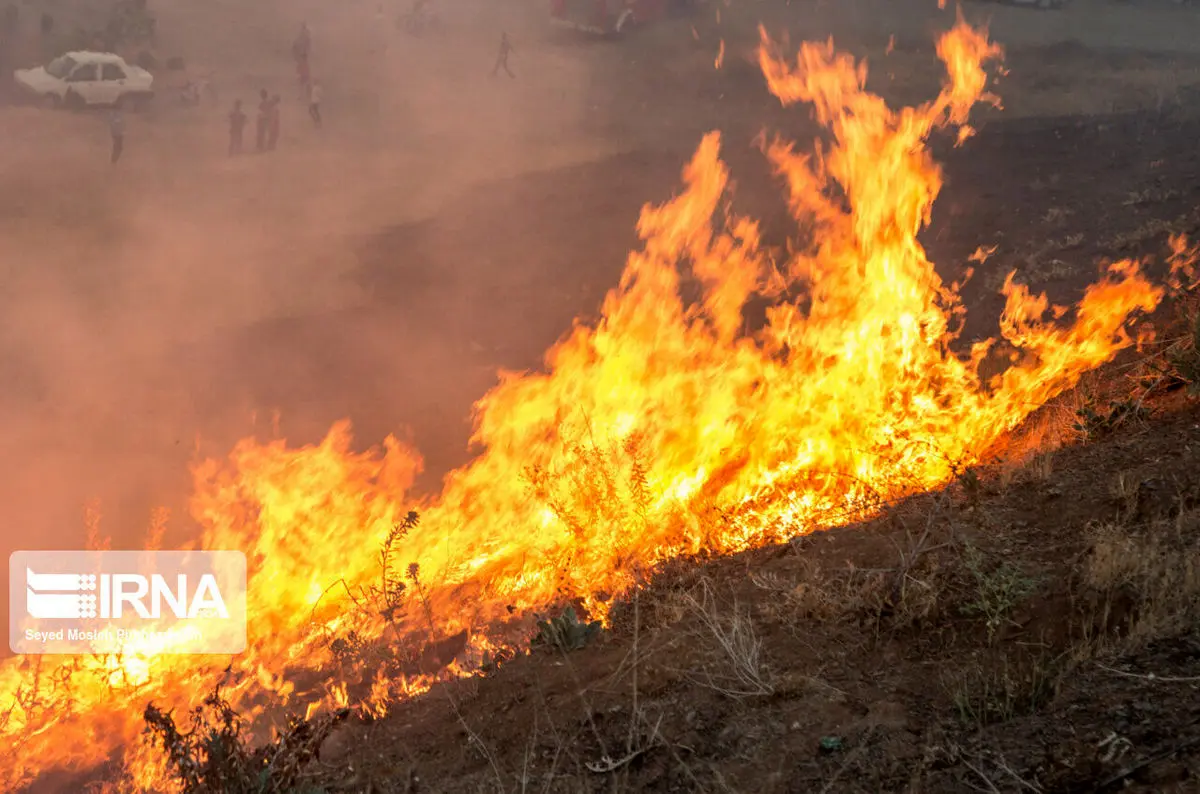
665,429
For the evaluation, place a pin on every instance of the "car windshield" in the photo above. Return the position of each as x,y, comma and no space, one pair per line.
61,67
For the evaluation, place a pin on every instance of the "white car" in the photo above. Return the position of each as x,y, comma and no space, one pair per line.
81,79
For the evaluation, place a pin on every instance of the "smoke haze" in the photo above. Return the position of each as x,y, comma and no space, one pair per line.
162,308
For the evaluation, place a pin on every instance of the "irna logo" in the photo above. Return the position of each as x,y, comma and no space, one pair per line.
77,602
74,596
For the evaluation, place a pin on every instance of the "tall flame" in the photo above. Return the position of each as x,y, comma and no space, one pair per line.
665,429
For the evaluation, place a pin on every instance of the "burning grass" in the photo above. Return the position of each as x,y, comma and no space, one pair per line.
664,431
948,643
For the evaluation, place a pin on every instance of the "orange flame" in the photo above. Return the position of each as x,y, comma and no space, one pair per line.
665,429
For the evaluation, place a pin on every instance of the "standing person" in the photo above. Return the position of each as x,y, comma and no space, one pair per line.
301,49
314,103
273,122
237,123
116,127
263,120
502,57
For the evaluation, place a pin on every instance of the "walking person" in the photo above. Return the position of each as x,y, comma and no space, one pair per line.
502,57
314,103
237,123
273,122
116,127
262,120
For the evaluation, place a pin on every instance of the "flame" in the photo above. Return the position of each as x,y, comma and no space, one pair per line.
665,429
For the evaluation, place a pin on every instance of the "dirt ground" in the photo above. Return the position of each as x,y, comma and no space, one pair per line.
446,223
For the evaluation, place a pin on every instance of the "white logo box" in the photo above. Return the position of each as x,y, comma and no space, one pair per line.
142,602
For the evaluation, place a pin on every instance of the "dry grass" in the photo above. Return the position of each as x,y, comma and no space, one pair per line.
997,587
1013,685
1036,468
737,669
1157,566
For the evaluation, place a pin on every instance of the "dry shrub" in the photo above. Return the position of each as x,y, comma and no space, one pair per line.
1156,567
1034,467
214,755
1009,685
821,595
726,651
908,595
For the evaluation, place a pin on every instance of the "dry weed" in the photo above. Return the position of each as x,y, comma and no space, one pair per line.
1124,491
1012,685
737,669
909,594
823,595
1036,468
997,587
1158,566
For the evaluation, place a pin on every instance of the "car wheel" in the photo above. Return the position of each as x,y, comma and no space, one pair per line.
74,101
52,101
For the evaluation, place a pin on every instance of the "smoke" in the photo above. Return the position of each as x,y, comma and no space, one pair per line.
160,309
